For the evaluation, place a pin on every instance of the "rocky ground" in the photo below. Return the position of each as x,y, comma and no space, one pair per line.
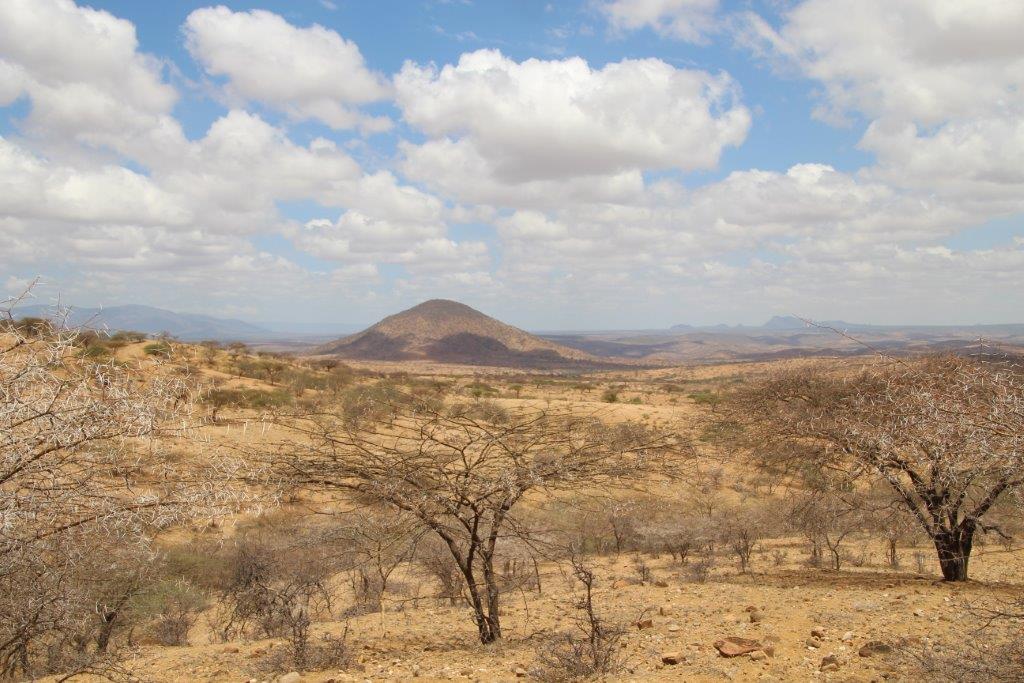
781,623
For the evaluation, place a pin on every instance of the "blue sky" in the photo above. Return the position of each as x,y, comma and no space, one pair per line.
596,164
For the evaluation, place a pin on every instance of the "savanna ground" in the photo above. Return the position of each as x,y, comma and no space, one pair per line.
377,603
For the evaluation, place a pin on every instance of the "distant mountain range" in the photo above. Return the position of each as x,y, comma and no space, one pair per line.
450,332
789,322
150,320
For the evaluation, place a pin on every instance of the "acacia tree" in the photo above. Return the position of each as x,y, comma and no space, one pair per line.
80,475
945,433
461,472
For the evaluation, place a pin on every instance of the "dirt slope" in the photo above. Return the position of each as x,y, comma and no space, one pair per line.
447,331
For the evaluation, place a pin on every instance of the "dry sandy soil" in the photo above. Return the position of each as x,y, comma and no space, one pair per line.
433,642
430,640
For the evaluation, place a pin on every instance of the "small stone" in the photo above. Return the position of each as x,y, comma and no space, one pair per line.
665,610
758,655
756,617
813,642
847,637
829,663
661,583
644,623
919,613
750,608
520,672
818,632
619,583
674,628
230,650
290,677
734,646
672,658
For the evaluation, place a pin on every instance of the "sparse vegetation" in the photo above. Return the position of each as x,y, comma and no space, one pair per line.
391,495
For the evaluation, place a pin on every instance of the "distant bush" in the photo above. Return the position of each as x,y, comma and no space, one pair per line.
610,396
96,351
158,348
269,370
35,327
712,399
382,400
246,398
335,379
481,389
124,337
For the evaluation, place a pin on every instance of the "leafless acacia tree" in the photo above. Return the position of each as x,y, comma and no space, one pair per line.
81,473
945,433
462,472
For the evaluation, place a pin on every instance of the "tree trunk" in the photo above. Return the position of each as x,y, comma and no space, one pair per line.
106,630
489,629
954,550
893,555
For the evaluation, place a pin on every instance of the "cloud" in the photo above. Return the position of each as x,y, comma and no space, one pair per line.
542,120
358,238
308,73
940,84
31,187
688,20
912,60
87,81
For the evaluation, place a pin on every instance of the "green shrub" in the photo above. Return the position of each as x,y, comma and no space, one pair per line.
170,607
158,348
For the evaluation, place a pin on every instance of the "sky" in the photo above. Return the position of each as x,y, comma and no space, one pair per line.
592,164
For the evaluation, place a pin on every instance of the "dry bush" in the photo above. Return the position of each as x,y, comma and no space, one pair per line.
437,562
379,540
742,528
592,649
699,568
275,587
992,652
828,515
169,608
84,485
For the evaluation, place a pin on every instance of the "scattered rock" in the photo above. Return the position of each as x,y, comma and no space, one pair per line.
290,677
919,613
673,628
644,623
829,663
847,637
756,617
665,610
818,632
813,642
734,646
672,658
758,655
874,647
661,583
619,583
520,672
750,608
230,650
